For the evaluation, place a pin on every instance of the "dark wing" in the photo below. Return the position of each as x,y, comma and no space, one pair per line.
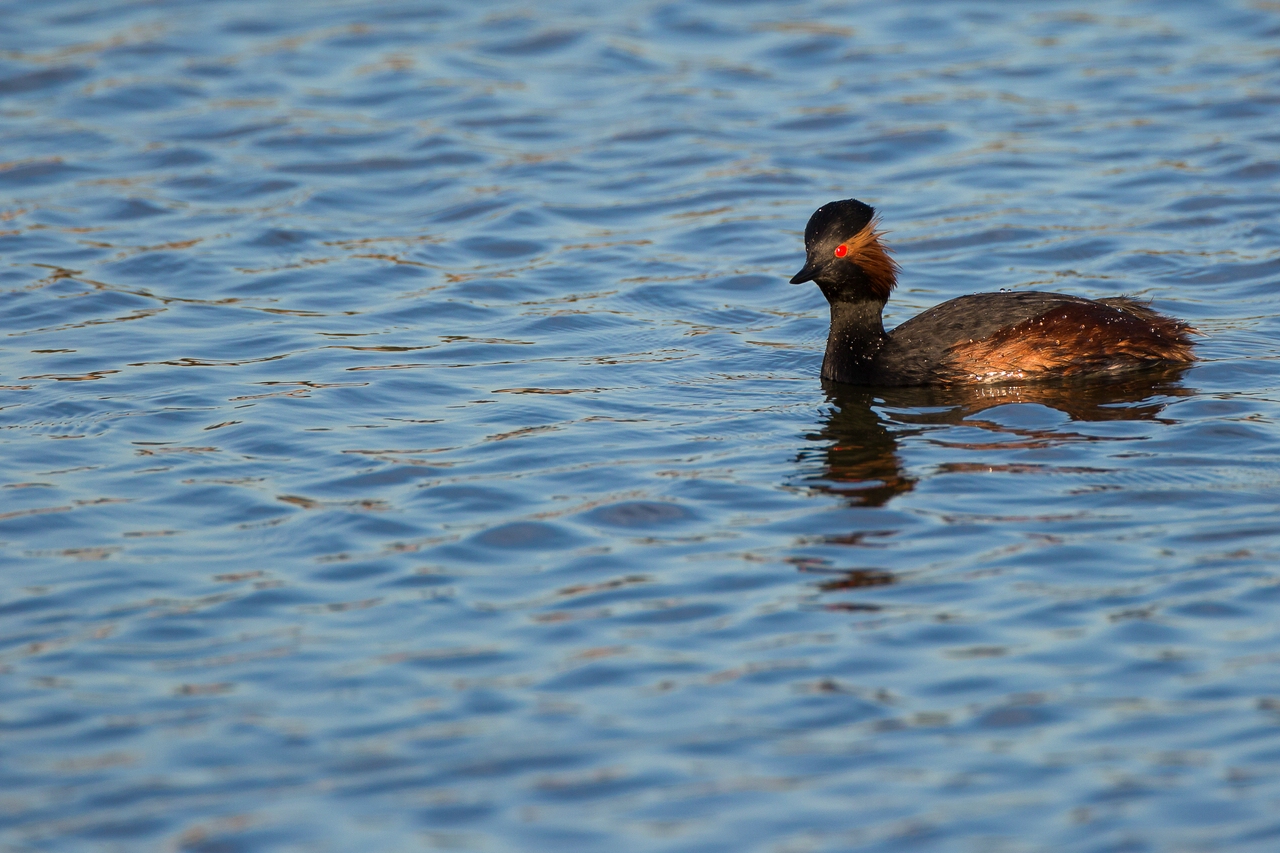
1073,338
994,337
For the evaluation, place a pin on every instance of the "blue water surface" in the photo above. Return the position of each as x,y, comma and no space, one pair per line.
409,439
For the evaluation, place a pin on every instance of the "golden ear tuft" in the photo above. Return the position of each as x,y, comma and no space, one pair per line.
873,256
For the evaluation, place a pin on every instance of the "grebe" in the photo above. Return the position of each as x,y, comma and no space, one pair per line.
980,338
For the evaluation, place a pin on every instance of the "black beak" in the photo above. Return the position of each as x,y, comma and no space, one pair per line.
810,270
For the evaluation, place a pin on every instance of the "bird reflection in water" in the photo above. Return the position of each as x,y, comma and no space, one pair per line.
857,446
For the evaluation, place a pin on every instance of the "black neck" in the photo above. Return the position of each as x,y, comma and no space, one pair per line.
857,334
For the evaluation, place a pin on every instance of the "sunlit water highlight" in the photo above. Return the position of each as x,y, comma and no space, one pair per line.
410,440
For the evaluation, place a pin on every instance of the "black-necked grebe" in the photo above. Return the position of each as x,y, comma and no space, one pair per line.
984,337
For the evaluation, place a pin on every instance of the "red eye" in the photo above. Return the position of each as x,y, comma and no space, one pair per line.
842,250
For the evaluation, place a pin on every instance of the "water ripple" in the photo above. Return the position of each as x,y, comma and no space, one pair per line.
411,438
